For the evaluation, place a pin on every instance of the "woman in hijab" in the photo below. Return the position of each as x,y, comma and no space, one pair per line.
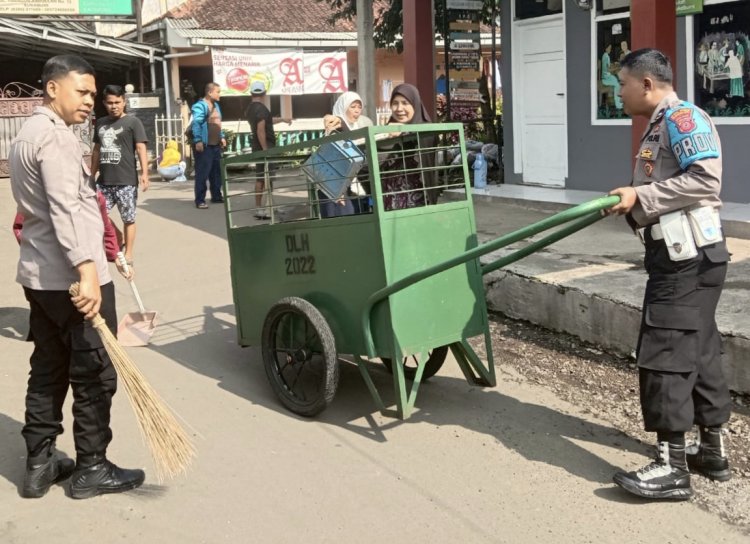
347,116
403,189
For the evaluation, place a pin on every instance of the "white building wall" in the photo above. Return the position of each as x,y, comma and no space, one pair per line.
151,10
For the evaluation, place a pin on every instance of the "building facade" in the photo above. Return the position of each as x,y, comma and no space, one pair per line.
563,123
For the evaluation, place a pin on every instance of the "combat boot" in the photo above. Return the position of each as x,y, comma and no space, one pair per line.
44,468
665,478
708,456
89,480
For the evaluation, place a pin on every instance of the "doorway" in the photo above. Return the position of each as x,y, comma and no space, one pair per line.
541,101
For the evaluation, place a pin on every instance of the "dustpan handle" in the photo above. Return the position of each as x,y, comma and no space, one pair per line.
124,264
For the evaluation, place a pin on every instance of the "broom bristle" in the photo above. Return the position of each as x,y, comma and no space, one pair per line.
170,446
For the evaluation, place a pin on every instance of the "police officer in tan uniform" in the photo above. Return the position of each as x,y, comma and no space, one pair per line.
677,179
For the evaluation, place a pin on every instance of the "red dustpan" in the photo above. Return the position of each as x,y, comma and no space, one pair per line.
136,328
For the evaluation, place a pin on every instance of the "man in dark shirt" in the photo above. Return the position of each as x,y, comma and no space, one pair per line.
261,124
117,139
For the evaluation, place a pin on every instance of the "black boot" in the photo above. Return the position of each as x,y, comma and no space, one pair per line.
43,468
708,456
665,478
96,475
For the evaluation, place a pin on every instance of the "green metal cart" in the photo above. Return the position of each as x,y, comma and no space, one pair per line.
399,279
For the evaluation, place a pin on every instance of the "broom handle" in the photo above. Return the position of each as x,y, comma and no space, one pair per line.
124,264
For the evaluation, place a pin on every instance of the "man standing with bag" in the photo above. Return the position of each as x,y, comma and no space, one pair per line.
208,141
673,205
62,244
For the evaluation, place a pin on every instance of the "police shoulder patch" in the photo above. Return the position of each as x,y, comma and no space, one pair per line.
690,135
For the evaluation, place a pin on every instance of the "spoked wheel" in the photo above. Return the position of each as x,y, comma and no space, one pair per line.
299,354
435,359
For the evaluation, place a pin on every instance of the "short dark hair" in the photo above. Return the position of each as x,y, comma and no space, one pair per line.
62,65
209,87
113,90
649,62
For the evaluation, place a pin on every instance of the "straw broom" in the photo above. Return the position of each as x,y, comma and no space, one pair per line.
170,446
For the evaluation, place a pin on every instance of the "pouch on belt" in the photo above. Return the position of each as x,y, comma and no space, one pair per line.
678,236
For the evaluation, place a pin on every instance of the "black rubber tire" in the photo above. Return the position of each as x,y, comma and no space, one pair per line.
299,355
435,359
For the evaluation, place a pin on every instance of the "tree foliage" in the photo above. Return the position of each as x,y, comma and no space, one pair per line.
389,20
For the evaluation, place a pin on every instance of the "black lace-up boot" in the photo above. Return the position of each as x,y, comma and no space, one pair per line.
665,478
45,467
95,475
708,456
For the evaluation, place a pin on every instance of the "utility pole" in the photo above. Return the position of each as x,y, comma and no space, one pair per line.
366,57
419,49
654,25
138,9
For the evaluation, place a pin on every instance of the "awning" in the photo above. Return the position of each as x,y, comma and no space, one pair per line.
35,41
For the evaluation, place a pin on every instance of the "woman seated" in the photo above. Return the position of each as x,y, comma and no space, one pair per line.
171,167
402,187
346,116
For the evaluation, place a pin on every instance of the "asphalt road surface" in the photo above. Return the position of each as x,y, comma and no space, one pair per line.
513,463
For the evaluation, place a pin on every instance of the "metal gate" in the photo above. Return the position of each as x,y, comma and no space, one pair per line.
17,103
166,129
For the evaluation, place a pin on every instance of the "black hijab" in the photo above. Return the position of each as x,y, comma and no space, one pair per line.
427,159
411,93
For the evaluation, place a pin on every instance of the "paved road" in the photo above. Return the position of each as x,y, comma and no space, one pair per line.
508,464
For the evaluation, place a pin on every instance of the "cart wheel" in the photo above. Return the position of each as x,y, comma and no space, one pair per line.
435,359
299,354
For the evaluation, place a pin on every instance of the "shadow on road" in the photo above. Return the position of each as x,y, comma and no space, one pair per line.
13,452
534,431
14,323
184,212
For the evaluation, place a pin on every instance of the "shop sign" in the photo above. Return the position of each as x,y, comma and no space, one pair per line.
474,5
66,7
689,7
283,72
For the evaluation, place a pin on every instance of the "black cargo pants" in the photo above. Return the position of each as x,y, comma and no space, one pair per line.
68,352
679,347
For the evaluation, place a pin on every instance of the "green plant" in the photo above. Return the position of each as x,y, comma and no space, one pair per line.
461,112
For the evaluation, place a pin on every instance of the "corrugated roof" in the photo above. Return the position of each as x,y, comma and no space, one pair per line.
185,23
189,32
25,39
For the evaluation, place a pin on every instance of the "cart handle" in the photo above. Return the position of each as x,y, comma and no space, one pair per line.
586,213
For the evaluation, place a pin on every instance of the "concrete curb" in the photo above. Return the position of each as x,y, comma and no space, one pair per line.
605,322
591,284
734,216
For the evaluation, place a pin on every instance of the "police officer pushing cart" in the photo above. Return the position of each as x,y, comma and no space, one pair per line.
673,206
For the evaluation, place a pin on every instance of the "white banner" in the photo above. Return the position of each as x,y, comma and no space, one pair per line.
287,71
326,72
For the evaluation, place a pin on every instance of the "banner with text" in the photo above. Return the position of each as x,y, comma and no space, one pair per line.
326,72
288,71
66,7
